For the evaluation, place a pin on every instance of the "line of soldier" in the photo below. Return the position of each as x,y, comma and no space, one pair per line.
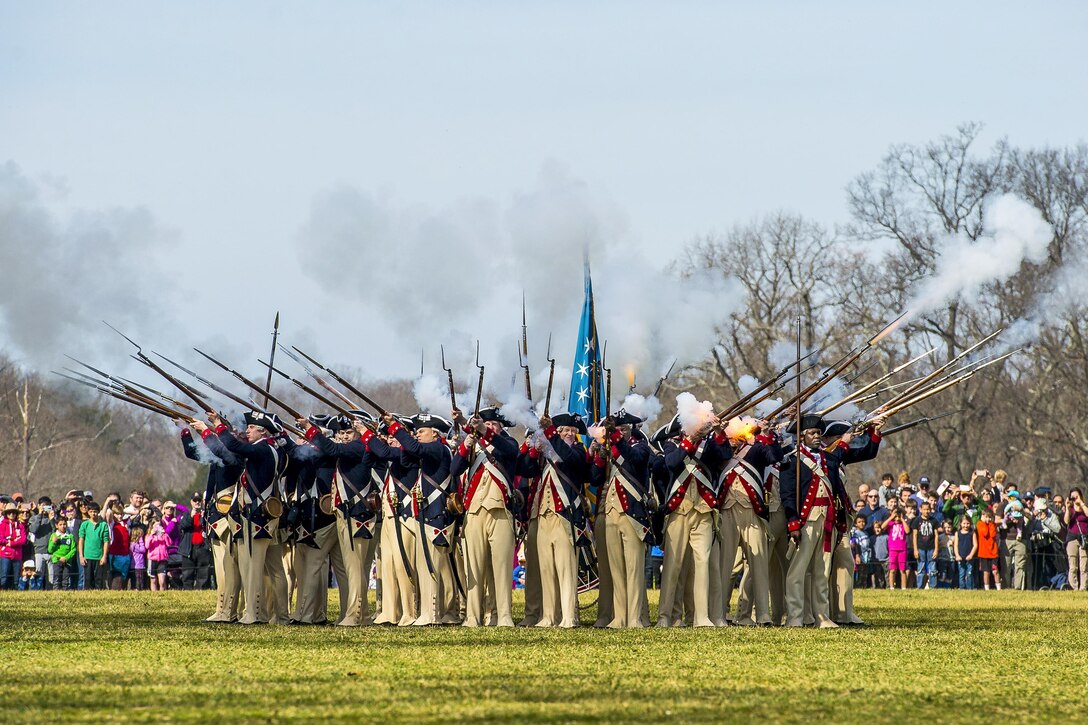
441,504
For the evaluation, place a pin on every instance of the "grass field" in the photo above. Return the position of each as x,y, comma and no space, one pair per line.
934,655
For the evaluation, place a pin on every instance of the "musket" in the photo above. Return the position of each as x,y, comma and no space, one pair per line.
844,362
551,377
480,384
948,382
321,381
217,388
343,381
189,392
118,384
749,398
258,389
173,401
853,396
523,351
608,381
114,393
272,358
449,377
307,389
939,371
737,409
927,419
663,378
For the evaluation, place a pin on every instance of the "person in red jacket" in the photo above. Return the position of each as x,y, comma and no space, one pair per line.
12,538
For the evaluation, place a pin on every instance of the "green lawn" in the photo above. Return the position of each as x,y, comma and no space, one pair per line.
941,655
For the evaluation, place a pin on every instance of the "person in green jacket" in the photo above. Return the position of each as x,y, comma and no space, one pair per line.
62,549
94,540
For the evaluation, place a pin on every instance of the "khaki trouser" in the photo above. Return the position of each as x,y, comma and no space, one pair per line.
398,589
627,562
287,551
1016,564
842,582
809,558
277,601
742,528
692,531
489,541
533,590
558,561
714,588
1078,565
251,565
604,572
433,599
313,575
228,581
357,555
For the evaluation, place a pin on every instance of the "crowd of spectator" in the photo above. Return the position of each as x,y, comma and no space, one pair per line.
989,534
79,543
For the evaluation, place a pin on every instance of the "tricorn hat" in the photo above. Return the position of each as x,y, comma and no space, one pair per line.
320,420
834,428
257,418
426,420
622,417
570,419
493,414
810,421
669,430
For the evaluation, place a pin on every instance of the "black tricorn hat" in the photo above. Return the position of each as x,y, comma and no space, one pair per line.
669,430
493,414
622,417
362,414
320,420
810,421
570,419
341,422
426,420
835,428
257,418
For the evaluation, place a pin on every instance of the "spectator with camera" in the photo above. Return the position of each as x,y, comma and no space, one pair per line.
196,556
39,529
1076,539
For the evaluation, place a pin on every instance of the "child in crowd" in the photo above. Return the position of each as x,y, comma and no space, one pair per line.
946,556
29,578
897,549
138,549
966,548
158,551
879,569
62,549
910,516
862,548
94,541
986,533
924,543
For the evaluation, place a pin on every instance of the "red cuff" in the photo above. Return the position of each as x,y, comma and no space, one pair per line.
392,429
220,428
721,438
524,447
207,432
534,453
550,431
311,432
367,435
876,436
462,451
598,461
765,439
616,436
842,445
688,445
487,436
794,525
469,429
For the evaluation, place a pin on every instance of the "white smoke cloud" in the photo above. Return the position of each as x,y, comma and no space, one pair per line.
647,408
747,384
694,414
1013,232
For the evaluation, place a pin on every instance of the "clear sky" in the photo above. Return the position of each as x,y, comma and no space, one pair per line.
227,122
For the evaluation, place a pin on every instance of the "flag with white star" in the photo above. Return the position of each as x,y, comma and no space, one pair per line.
586,385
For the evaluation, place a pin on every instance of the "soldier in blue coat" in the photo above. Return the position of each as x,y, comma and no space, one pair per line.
625,501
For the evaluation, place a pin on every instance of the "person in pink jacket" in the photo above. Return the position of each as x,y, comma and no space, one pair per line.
12,538
158,551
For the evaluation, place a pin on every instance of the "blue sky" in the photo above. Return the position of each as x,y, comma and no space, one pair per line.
227,121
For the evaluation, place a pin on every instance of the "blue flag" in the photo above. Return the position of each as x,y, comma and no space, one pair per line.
586,387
